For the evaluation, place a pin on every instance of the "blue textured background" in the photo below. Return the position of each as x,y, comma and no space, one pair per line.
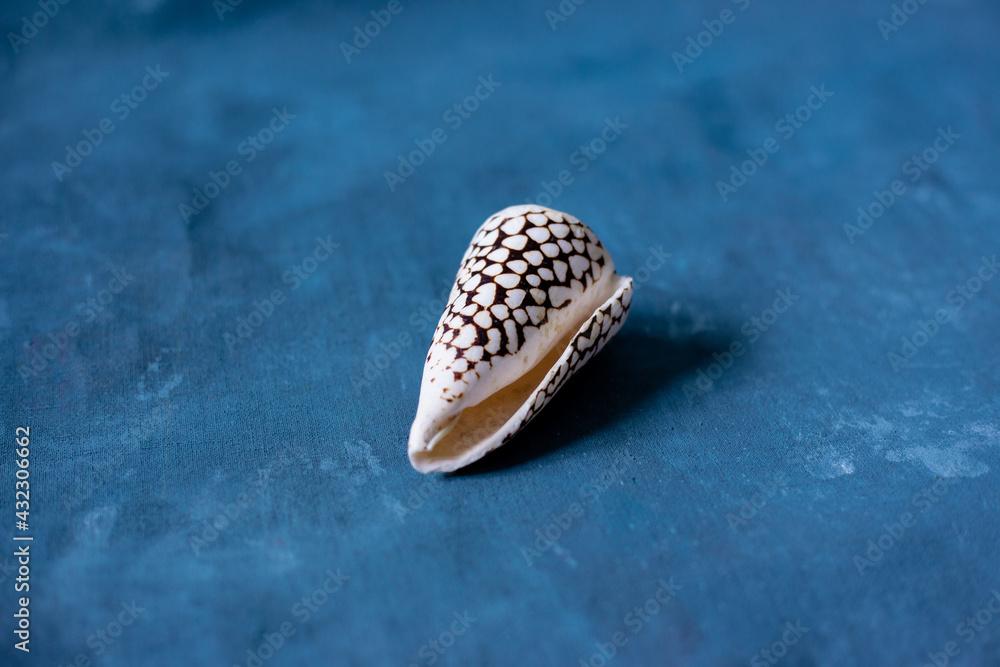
213,484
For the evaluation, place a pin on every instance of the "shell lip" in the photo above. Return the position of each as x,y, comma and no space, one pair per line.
420,446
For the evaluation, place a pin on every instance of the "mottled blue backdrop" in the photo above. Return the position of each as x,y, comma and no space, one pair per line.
228,230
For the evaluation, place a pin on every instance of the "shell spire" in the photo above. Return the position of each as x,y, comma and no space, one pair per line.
535,298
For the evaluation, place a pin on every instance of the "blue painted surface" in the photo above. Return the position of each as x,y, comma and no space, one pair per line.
727,466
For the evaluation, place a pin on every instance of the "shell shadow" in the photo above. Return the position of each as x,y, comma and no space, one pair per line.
645,359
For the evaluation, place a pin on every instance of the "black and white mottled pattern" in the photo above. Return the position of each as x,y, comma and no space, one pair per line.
524,263
536,297
599,329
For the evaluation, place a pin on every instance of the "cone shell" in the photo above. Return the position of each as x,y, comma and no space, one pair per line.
535,298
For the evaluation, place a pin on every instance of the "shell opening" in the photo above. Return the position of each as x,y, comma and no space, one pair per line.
440,430
478,422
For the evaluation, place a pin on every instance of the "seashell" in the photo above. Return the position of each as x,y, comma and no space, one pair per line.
535,298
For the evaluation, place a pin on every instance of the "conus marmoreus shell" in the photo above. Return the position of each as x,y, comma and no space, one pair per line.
535,298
